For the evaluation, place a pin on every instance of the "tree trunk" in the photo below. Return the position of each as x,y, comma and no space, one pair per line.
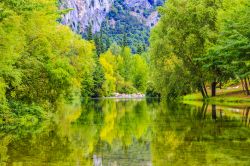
246,86
205,112
205,89
246,118
202,91
242,84
213,89
214,112
202,112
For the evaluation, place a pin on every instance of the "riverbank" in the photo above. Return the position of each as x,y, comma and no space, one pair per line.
227,96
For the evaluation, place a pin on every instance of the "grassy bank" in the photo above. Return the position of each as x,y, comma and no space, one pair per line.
227,96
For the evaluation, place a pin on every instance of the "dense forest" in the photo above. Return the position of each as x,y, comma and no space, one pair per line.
43,62
197,43
194,44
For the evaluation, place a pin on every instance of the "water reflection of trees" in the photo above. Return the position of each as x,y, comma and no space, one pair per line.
107,132
245,117
123,123
77,134
200,136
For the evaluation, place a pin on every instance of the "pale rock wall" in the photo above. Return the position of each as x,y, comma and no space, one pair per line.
85,12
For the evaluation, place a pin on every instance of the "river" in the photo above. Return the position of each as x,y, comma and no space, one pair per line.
141,132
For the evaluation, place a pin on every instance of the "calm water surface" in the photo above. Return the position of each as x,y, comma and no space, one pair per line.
132,133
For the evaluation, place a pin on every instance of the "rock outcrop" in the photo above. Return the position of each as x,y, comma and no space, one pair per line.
94,12
84,13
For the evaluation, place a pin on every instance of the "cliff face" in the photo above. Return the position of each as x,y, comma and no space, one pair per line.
85,12
94,12
144,10
115,17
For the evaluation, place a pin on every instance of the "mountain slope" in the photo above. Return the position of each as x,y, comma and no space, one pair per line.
115,18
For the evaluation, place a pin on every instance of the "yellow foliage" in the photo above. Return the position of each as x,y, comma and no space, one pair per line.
108,62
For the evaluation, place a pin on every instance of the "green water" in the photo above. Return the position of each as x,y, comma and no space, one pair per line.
131,133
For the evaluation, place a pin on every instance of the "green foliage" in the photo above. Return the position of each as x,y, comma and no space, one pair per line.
201,41
124,72
127,29
20,109
21,116
229,58
151,91
108,63
140,73
41,61
89,33
231,52
98,78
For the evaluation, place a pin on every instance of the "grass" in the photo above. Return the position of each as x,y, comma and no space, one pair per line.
228,96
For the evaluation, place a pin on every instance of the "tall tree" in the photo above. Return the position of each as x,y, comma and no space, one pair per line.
234,43
124,39
186,29
89,32
41,60
229,57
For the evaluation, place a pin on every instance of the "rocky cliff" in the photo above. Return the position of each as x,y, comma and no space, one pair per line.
115,17
85,12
